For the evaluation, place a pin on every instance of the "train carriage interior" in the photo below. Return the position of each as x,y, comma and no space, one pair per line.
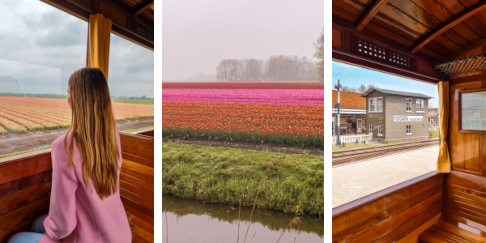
25,178
442,43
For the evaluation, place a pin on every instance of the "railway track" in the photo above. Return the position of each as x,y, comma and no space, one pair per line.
343,157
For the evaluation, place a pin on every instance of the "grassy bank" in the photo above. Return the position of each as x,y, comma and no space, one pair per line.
228,175
243,137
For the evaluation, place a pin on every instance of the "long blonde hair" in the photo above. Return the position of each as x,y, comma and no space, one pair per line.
93,128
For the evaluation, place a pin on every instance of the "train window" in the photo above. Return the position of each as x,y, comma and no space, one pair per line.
41,46
402,131
131,81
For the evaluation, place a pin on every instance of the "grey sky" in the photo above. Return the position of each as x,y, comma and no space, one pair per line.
41,46
197,35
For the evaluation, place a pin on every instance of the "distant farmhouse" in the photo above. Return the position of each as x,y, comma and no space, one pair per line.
395,115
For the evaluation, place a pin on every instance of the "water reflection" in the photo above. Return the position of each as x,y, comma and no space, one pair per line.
195,221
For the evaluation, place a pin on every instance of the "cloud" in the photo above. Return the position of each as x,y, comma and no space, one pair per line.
42,46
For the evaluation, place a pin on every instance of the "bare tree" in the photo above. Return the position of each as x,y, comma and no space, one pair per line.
319,54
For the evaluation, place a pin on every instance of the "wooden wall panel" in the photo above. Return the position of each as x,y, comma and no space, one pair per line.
20,167
137,184
390,217
25,185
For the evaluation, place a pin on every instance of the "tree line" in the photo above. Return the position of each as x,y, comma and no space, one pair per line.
275,68
359,89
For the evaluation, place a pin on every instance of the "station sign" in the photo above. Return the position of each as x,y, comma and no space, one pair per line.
399,118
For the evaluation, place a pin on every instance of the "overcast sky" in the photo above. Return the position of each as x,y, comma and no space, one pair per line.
41,46
197,35
354,76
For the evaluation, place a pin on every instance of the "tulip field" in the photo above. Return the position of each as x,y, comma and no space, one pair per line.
283,116
21,114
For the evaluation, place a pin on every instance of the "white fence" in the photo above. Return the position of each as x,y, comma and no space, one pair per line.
352,138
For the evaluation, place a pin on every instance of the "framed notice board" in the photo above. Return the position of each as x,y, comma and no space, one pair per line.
472,111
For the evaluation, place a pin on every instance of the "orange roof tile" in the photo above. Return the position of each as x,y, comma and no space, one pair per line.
349,100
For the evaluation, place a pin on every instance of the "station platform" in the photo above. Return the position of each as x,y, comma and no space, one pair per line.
361,178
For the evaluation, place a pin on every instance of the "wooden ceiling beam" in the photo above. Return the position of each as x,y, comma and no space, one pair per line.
476,8
143,7
369,14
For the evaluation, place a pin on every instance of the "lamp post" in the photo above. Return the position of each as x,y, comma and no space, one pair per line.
338,87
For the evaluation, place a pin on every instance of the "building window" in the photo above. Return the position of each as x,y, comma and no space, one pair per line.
409,129
420,105
380,130
376,104
371,129
381,119
409,104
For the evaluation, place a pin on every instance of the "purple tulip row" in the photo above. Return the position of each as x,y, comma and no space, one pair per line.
245,96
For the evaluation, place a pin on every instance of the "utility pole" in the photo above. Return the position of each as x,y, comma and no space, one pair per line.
338,87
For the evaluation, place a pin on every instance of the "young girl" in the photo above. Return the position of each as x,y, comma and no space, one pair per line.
85,201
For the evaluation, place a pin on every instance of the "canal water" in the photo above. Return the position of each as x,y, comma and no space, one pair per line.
198,222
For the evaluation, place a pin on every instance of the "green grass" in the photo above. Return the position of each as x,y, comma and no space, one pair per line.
244,137
127,101
350,146
21,152
228,175
137,129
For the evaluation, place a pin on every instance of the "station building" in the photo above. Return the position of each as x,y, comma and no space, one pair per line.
396,115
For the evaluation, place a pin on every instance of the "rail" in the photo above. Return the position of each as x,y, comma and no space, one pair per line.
348,156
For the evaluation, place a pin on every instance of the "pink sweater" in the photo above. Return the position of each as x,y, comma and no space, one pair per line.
76,214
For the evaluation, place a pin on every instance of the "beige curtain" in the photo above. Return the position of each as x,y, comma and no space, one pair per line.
99,43
444,160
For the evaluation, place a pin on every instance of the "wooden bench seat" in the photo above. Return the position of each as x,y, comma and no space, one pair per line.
463,216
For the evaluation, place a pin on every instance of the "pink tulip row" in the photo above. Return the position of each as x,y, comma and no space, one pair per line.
245,96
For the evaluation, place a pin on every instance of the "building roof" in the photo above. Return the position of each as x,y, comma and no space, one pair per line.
349,100
394,92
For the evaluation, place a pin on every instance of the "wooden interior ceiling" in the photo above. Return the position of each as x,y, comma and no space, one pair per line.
132,19
437,30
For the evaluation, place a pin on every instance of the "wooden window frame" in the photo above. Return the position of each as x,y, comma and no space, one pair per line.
461,92
407,128
380,130
370,129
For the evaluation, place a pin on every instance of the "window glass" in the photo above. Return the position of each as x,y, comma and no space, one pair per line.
409,129
131,81
379,104
40,47
371,129
372,104
420,105
380,130
409,104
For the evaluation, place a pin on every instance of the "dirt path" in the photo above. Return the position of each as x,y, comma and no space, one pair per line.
287,149
29,140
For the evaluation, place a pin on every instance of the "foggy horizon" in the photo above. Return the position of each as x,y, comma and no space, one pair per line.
197,36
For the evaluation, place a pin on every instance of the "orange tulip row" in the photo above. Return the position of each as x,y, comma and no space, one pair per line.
297,120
